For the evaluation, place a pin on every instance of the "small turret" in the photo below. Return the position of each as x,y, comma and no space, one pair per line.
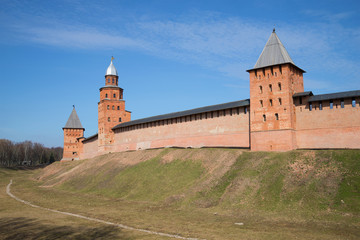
73,136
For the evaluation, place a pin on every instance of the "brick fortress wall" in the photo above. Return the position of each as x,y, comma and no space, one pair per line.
328,128
278,118
90,148
225,128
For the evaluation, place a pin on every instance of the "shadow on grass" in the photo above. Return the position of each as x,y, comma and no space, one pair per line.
27,228
17,168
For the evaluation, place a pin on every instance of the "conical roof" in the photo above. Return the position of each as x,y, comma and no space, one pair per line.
111,70
73,121
274,53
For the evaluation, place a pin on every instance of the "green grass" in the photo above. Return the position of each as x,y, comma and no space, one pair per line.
349,188
154,181
268,182
147,181
291,195
305,181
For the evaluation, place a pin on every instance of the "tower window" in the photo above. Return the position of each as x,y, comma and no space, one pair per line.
113,107
271,103
272,71
300,100
353,102
261,90
108,119
331,104
280,70
108,80
264,118
113,80
106,95
320,106
245,110
310,106
108,107
279,84
114,95
275,74
342,103
276,116
119,119
280,102
270,87
118,107
261,103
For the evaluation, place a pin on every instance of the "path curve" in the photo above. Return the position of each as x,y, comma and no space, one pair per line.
94,219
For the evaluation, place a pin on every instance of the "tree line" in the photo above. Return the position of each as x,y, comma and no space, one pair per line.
27,153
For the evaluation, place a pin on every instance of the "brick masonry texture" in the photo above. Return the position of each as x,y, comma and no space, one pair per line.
73,146
271,106
229,130
328,128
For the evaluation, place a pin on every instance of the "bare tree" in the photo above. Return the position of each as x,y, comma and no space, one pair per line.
27,153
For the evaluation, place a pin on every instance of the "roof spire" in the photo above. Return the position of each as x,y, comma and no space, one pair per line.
111,70
274,53
73,121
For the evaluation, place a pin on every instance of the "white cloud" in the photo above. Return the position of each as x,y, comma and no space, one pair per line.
80,37
328,16
227,45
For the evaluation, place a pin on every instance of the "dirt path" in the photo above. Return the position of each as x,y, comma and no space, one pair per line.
94,219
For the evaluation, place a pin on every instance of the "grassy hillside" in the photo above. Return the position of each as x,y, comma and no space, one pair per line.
198,193
301,181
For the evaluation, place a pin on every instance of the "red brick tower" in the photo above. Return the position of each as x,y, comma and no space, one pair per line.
111,109
273,82
73,136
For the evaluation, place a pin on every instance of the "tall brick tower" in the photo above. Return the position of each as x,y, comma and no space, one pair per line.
73,136
111,109
273,82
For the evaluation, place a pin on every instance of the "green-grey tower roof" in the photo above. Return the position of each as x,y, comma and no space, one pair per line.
73,121
274,53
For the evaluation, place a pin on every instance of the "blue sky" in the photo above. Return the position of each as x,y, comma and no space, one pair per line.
170,55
